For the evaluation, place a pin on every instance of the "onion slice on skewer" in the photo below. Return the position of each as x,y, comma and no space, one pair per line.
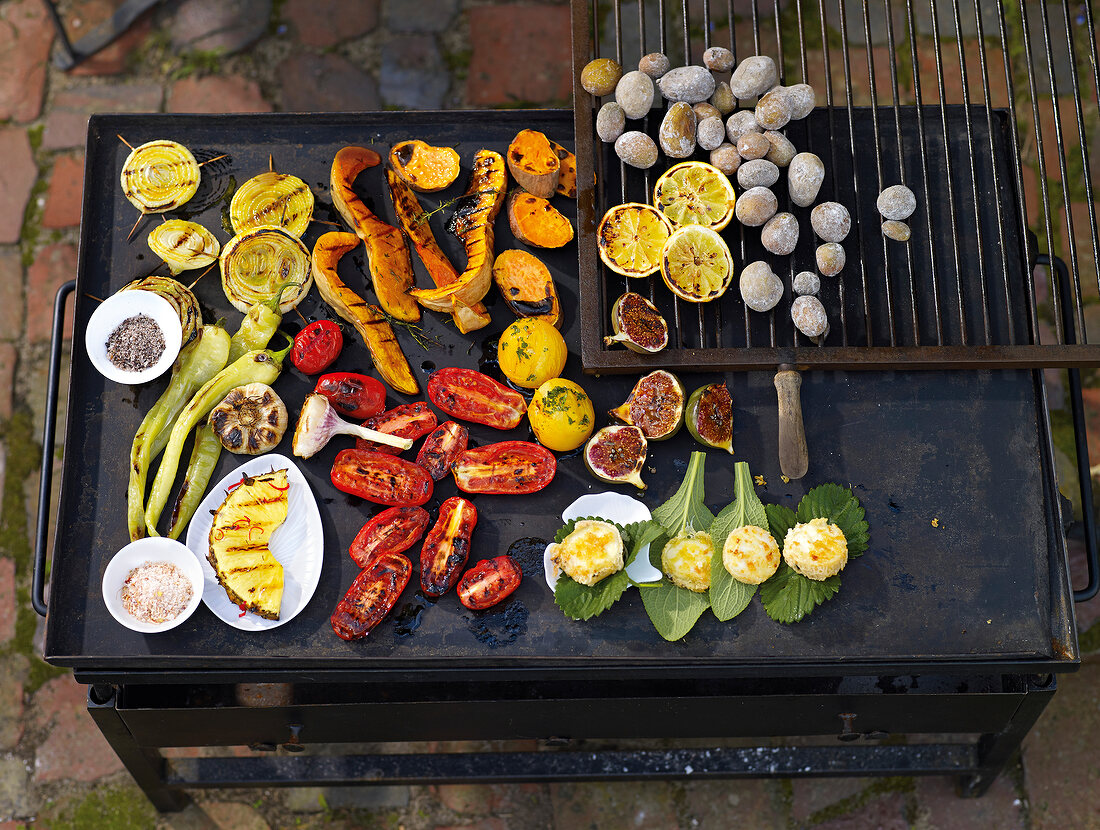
159,176
183,245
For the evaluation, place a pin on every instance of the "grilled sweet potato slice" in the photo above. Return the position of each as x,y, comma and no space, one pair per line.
533,163
534,221
526,285
424,168
567,177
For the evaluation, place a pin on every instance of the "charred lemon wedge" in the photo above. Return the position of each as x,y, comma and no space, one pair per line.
696,264
630,238
695,193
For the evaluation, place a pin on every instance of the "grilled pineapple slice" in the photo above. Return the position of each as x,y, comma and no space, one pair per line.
239,537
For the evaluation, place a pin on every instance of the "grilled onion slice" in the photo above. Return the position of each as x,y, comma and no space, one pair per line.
183,245
257,262
272,199
181,298
160,176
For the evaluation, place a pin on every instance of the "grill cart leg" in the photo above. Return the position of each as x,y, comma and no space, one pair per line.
995,749
145,765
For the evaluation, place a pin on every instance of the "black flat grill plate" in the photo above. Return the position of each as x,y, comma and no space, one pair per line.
966,563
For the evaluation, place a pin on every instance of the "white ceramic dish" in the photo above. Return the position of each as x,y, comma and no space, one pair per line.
298,544
119,307
611,507
153,549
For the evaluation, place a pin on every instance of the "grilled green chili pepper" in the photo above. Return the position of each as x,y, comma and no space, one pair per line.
258,326
261,366
199,361
204,458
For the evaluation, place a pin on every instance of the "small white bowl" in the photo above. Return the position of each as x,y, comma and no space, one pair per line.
119,307
152,549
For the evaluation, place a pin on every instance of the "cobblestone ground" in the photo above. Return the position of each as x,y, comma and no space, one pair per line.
284,55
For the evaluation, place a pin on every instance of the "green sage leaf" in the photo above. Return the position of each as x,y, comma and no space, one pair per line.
686,507
673,610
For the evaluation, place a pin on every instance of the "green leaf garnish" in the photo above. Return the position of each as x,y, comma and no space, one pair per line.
673,610
582,602
728,597
840,506
780,520
788,596
686,508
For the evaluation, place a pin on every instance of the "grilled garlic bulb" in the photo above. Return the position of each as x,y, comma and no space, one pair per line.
257,262
160,176
272,199
183,245
251,419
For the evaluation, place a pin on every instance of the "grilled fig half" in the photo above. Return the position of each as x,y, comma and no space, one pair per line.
637,324
616,454
655,406
709,416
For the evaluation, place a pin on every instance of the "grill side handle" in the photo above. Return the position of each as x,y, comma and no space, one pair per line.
38,577
1061,281
794,455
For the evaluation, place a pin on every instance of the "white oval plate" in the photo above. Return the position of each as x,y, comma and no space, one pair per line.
612,507
151,549
119,307
298,544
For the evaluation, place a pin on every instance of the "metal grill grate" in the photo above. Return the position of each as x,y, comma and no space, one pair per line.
985,111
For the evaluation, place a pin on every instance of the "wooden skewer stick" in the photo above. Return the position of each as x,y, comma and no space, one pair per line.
304,320
270,163
326,222
93,297
203,274
222,156
124,141
130,235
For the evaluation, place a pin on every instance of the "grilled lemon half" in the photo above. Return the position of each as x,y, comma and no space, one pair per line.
695,193
696,264
239,537
630,237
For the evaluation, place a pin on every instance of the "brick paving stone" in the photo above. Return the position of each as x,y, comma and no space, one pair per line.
7,600
67,119
232,815
216,94
84,16
945,17
25,37
523,55
74,748
941,809
9,356
217,26
320,799
63,199
811,795
884,813
54,265
644,805
15,668
412,74
324,23
16,794
17,176
325,83
483,824
1061,765
710,805
468,798
423,16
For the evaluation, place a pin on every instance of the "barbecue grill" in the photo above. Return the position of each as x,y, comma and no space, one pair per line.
956,621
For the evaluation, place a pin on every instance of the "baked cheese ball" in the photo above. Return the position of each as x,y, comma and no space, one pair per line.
593,551
686,560
816,549
751,554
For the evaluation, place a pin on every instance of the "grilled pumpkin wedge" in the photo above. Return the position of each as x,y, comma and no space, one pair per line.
239,538
368,320
443,273
472,223
388,259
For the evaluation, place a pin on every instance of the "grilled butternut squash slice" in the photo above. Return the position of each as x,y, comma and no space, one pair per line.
368,320
424,168
391,271
239,537
473,224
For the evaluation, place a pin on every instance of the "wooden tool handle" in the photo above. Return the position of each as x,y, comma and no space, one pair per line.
794,457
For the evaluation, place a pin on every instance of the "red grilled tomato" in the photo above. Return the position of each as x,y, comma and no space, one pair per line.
409,420
441,448
510,467
371,596
488,582
447,546
472,396
381,478
316,347
352,395
394,530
